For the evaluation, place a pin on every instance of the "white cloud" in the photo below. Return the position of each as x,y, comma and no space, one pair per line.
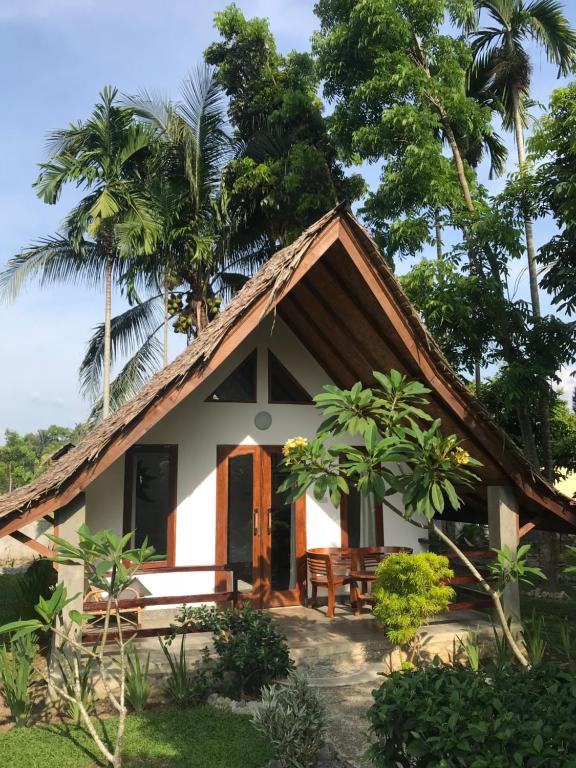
567,383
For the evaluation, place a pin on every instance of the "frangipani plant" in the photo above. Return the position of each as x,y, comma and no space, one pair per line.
404,452
109,564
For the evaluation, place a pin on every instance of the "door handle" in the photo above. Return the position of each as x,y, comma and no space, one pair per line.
256,512
269,520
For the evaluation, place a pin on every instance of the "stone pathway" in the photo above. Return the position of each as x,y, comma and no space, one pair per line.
347,722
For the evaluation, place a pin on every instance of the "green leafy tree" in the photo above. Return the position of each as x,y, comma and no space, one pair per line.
286,173
503,62
110,564
553,148
102,156
404,451
23,457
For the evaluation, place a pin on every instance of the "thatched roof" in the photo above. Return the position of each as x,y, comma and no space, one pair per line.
71,471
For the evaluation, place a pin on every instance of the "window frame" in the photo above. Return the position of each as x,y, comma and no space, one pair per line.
272,357
253,358
172,451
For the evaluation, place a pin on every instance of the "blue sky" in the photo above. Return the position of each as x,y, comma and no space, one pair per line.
55,56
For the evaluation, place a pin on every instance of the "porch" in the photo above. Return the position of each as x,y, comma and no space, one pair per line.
335,652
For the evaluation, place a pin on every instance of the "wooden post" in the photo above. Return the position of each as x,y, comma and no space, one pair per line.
503,526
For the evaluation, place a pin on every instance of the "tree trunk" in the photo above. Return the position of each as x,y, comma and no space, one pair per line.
438,229
528,228
107,339
165,340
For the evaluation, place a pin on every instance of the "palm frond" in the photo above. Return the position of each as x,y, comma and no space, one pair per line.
52,260
135,373
129,330
548,25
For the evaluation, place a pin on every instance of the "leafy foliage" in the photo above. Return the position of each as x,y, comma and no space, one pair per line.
138,686
553,147
286,173
459,718
250,652
292,717
16,673
388,418
409,591
23,457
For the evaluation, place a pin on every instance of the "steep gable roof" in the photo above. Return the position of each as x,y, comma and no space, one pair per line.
73,472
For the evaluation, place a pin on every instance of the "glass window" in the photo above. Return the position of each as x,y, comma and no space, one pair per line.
151,473
282,386
240,386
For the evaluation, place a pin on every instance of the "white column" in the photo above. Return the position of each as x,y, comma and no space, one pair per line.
503,524
68,520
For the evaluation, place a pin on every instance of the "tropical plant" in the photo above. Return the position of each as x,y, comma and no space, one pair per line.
250,652
67,663
470,646
399,455
16,675
458,718
408,591
286,173
502,62
186,688
110,564
293,718
102,156
192,258
137,679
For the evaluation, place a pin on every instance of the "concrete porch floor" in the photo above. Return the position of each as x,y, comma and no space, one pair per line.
344,650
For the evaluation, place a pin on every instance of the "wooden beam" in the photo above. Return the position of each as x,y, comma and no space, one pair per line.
529,526
325,347
454,400
32,543
328,320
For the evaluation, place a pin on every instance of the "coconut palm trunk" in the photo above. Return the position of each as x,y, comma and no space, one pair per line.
107,338
528,227
165,325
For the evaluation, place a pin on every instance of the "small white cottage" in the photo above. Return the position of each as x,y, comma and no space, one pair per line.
192,462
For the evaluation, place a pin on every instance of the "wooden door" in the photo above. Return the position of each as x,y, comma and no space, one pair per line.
259,535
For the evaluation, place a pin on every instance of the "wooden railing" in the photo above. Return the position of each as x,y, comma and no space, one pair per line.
226,595
464,580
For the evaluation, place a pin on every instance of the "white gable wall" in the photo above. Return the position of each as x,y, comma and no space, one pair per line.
198,427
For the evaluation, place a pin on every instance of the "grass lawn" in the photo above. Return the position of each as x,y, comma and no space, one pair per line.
164,738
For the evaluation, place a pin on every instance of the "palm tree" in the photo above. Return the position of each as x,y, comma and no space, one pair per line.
193,257
103,157
503,63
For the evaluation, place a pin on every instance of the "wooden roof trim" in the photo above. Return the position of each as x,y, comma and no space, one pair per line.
494,444
175,394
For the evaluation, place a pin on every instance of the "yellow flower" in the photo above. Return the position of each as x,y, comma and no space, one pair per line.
461,456
293,447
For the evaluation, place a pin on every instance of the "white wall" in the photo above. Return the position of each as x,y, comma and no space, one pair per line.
198,427
12,552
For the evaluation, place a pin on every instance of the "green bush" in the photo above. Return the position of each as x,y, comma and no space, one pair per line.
456,718
16,673
138,686
408,592
292,717
250,652
19,592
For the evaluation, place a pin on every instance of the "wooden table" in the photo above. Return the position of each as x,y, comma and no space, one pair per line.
357,597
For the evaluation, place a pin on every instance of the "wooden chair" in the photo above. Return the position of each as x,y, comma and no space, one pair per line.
130,616
328,567
368,559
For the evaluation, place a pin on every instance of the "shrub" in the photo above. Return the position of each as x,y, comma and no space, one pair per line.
186,688
137,679
457,718
250,652
16,672
408,592
67,662
292,717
